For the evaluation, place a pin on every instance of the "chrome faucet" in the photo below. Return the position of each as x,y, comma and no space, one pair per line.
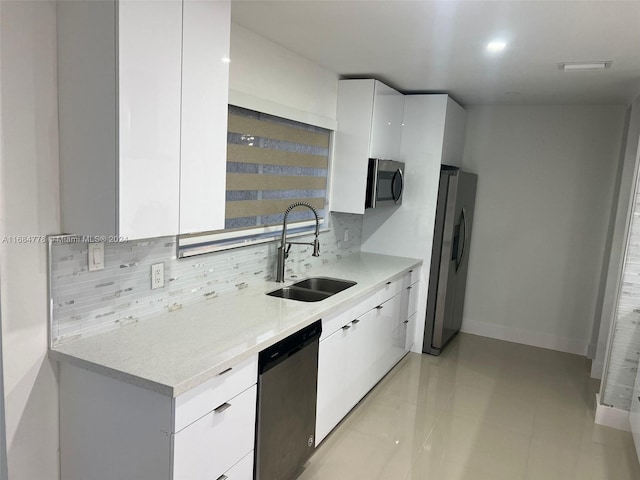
283,249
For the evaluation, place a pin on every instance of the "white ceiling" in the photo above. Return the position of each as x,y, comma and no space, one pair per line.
439,46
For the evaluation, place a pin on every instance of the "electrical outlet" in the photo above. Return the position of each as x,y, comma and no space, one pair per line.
346,235
157,275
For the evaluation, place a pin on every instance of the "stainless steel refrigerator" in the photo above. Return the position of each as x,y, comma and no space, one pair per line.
449,257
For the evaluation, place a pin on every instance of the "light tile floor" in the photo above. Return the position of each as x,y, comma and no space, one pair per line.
484,409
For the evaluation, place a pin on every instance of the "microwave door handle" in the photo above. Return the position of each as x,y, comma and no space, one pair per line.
393,182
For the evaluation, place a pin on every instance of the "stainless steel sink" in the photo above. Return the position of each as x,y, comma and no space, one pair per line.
301,294
325,284
312,289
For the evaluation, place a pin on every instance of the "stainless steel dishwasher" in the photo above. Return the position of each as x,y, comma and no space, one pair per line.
287,387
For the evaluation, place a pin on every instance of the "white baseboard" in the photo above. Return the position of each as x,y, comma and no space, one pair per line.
611,416
526,337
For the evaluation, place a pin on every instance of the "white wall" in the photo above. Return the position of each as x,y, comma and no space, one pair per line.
29,203
267,77
545,188
619,228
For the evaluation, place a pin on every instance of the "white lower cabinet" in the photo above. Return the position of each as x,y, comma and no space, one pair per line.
333,367
212,445
112,430
364,345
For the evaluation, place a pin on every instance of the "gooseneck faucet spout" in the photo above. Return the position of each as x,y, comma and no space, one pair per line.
283,249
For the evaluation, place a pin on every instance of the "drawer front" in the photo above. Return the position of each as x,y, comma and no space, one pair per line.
243,470
208,448
389,290
414,275
335,322
413,299
202,399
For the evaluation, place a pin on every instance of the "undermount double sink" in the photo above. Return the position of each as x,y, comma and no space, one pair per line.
312,289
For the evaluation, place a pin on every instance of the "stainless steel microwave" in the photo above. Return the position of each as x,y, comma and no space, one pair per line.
385,182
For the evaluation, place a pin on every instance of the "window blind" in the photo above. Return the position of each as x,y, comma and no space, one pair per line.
271,163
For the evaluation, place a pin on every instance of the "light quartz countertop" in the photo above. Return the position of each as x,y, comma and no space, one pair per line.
176,351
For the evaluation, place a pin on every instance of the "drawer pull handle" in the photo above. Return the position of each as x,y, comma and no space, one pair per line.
222,477
222,407
388,283
406,321
410,271
346,327
225,371
355,321
379,307
409,288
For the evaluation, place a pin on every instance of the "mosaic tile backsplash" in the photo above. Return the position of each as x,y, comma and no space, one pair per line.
87,303
625,348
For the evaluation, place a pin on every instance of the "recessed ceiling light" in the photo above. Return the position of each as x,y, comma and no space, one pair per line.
496,46
583,66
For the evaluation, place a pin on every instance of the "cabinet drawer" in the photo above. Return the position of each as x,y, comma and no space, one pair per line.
202,399
209,447
333,323
414,275
389,290
243,470
413,299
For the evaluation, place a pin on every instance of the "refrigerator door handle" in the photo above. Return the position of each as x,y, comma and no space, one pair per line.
463,221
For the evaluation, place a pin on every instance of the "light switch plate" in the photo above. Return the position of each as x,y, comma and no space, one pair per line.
95,258
346,235
157,275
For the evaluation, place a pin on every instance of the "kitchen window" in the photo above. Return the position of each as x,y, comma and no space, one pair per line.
272,162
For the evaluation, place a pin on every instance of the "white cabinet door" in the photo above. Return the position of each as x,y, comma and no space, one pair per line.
119,75
386,324
205,92
369,118
408,309
333,369
397,309
352,141
409,333
362,337
149,90
386,125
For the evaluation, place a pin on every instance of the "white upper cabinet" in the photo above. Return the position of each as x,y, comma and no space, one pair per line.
119,69
127,113
386,126
205,87
369,126
149,57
